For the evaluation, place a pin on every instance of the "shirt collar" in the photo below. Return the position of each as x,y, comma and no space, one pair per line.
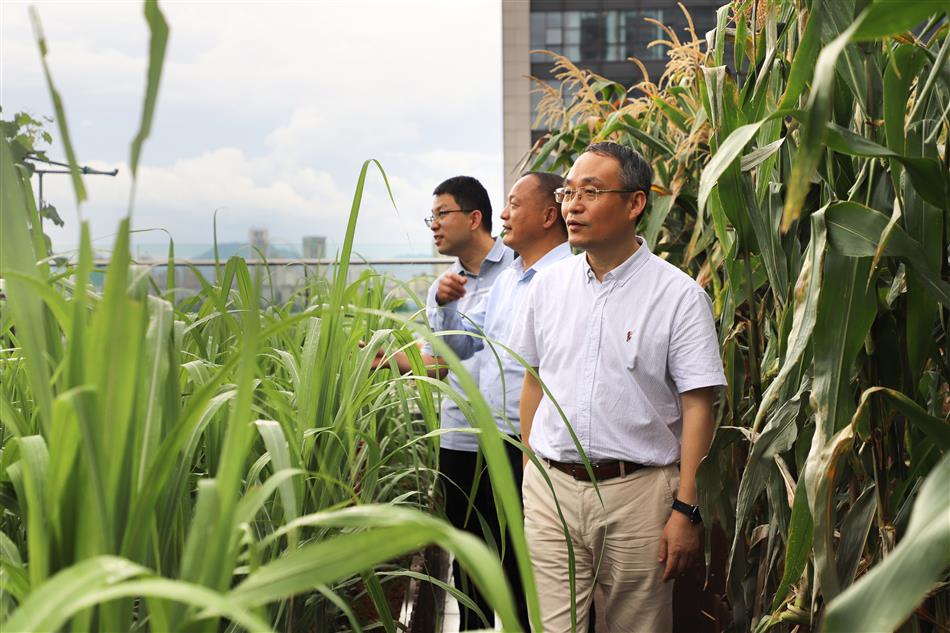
622,273
497,251
495,255
559,252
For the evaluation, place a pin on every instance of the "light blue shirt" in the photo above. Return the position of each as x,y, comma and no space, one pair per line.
500,377
476,293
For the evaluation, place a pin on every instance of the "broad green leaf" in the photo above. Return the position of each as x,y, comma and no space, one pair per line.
798,542
656,144
806,295
894,17
936,429
731,150
887,594
929,178
855,230
854,534
777,436
814,129
904,64
49,605
659,210
389,532
803,63
107,578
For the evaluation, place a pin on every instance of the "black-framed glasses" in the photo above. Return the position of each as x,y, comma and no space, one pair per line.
587,194
438,215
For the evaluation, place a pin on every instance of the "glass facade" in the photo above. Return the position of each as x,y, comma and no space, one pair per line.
589,36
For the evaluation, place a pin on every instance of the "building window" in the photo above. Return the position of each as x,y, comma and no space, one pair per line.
593,36
596,36
546,34
639,33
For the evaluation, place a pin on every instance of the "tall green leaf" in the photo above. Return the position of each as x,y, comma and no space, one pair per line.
885,596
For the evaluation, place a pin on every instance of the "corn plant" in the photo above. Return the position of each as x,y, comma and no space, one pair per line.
219,461
801,175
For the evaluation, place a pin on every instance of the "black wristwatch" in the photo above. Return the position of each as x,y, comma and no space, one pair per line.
690,511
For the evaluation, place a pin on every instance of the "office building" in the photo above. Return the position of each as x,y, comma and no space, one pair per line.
597,35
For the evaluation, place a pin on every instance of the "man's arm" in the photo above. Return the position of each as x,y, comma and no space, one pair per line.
434,365
681,543
531,394
450,287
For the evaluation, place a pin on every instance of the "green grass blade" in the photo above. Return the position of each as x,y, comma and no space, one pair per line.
16,255
66,140
34,458
389,532
158,29
49,606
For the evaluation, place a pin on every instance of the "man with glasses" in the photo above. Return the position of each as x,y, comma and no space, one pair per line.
461,226
535,229
627,346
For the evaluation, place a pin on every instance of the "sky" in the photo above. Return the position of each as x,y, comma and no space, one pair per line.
266,111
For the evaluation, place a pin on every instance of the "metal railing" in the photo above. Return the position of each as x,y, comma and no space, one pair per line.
302,261
287,276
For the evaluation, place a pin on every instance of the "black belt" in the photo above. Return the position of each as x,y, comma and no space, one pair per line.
602,470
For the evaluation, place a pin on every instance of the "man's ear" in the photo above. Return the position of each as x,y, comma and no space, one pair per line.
475,220
637,205
551,216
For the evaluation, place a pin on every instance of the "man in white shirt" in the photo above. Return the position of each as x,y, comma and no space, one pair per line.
626,344
535,229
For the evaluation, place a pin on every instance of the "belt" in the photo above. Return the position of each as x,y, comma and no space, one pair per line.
602,470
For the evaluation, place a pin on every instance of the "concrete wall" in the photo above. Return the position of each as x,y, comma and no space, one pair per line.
516,90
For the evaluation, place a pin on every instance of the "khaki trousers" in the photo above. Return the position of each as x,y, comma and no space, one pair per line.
615,547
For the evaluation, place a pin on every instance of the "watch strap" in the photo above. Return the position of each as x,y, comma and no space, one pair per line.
689,510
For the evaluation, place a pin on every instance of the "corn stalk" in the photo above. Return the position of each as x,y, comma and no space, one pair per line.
802,176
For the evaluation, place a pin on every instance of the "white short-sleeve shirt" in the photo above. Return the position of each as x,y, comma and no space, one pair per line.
616,355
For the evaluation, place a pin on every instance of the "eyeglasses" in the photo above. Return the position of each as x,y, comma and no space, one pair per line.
438,215
587,194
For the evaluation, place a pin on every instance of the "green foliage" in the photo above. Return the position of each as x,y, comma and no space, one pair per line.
26,135
168,464
807,188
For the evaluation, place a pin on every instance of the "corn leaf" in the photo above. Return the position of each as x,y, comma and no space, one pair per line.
885,596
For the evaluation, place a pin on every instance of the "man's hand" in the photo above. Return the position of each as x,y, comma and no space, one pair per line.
681,546
451,288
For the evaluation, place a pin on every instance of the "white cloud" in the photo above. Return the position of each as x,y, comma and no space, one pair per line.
182,197
268,110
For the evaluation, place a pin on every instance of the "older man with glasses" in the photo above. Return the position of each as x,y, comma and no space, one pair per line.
626,344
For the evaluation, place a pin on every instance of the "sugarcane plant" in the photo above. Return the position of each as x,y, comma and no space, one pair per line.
801,175
217,461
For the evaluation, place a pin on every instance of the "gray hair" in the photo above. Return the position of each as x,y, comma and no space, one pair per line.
635,171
